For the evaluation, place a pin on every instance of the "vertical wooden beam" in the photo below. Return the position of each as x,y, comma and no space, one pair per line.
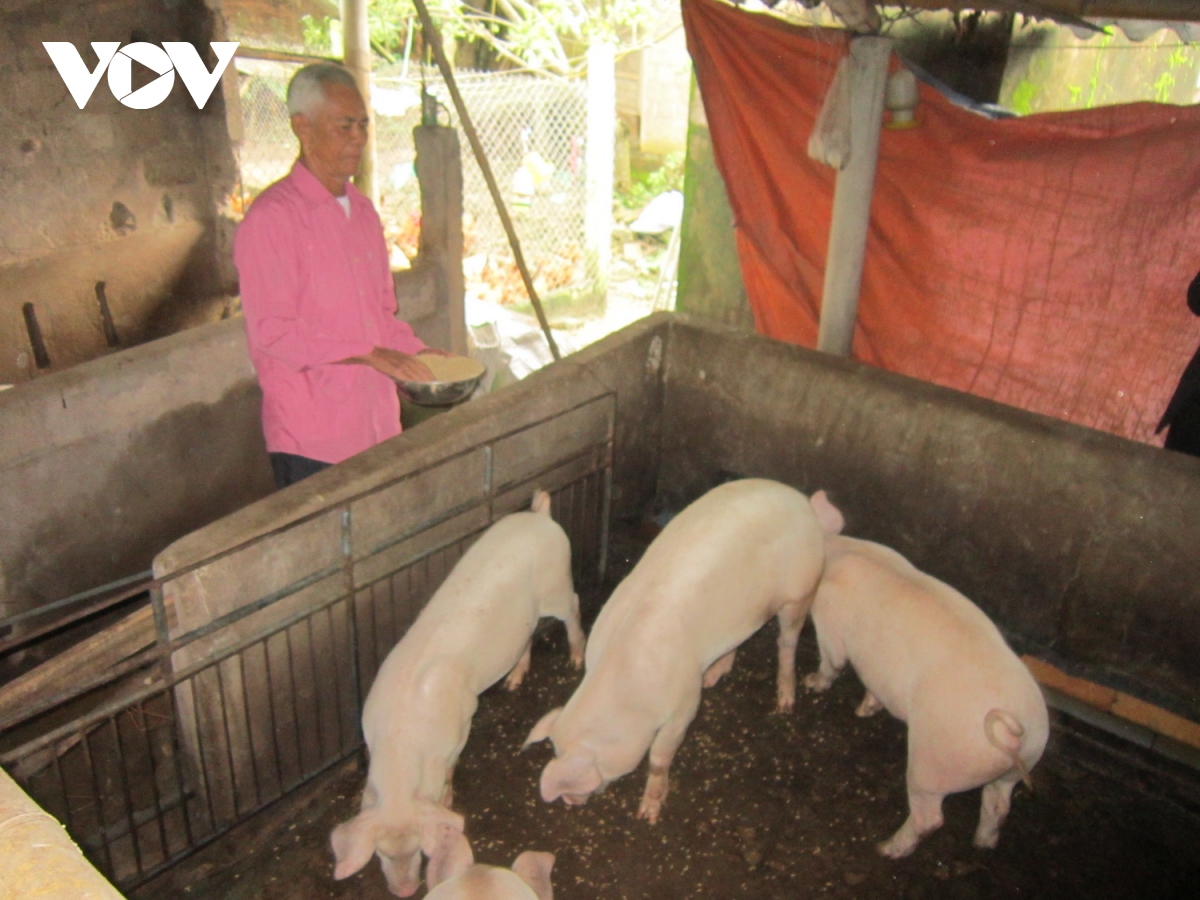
439,171
357,58
868,63
434,42
599,152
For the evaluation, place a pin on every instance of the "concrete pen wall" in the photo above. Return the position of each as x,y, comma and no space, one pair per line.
104,464
1079,544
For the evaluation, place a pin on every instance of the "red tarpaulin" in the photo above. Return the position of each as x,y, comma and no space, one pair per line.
1040,261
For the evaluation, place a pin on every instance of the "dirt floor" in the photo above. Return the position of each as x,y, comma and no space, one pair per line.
761,805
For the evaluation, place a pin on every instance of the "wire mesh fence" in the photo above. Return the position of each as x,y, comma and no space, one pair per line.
532,130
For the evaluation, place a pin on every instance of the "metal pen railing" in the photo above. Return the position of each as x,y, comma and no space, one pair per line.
167,751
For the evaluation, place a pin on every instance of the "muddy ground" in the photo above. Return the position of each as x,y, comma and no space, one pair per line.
761,806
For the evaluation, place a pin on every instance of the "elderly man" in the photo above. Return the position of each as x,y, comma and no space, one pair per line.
317,292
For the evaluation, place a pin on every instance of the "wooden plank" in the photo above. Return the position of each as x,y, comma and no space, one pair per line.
89,657
1080,688
1157,719
1116,703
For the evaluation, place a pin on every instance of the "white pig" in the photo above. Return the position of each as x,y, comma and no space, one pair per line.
453,875
477,627
931,658
743,552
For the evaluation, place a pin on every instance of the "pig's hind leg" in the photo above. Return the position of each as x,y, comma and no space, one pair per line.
995,802
791,620
719,669
520,670
927,786
869,706
924,817
575,637
565,607
662,752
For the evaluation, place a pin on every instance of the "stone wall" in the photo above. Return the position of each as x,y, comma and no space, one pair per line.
124,197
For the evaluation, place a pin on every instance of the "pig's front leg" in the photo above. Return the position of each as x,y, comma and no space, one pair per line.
720,668
520,670
869,706
662,751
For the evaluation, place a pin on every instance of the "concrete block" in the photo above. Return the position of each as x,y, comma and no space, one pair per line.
371,569
533,448
415,502
519,496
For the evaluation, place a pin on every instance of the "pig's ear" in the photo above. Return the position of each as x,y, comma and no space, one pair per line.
541,730
541,502
451,856
354,843
830,517
575,775
534,869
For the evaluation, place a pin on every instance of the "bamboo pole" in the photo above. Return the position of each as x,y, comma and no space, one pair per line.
434,41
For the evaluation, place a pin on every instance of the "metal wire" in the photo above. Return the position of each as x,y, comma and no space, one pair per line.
531,129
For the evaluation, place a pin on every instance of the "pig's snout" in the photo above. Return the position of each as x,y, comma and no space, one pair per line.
575,799
403,875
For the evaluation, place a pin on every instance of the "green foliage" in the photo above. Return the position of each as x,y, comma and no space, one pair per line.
1163,87
317,39
540,35
648,185
1022,97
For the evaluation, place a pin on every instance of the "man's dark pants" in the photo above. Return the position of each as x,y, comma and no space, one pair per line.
290,468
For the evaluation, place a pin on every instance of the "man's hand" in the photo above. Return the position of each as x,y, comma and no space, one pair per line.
395,364
434,351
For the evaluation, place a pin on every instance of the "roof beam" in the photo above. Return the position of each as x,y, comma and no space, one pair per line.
1166,10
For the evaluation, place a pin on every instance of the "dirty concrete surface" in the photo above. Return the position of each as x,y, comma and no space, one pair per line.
761,805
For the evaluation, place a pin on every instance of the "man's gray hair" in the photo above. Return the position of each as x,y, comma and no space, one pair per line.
306,90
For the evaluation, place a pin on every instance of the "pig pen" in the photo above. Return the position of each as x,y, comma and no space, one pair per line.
229,750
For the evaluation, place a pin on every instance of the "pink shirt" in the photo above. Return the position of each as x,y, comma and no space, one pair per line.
317,288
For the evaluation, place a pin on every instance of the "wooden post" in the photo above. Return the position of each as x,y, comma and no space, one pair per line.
852,196
439,171
357,57
599,150
434,41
